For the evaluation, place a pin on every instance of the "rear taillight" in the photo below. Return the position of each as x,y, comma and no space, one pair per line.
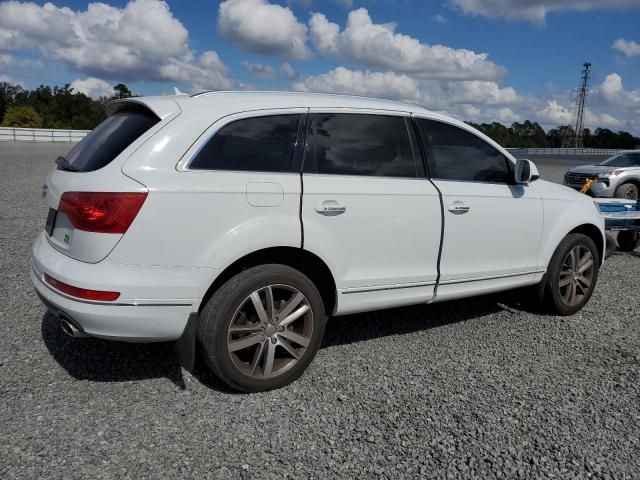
101,212
83,293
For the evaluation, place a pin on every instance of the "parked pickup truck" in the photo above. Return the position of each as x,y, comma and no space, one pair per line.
618,176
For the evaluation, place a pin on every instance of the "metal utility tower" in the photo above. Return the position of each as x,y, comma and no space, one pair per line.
575,138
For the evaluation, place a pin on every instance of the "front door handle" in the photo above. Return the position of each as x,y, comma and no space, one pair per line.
330,208
459,208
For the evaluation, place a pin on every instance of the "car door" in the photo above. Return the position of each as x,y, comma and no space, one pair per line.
492,226
368,211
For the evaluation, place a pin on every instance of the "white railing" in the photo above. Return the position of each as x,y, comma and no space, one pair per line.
41,135
565,151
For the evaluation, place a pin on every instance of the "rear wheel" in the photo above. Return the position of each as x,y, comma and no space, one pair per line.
572,274
262,328
628,191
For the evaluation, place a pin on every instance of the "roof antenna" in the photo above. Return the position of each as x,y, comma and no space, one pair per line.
177,91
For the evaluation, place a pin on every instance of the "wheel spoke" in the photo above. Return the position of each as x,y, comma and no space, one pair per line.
271,313
268,364
565,279
291,305
244,329
287,346
294,316
572,258
584,282
257,356
244,342
586,263
257,304
295,338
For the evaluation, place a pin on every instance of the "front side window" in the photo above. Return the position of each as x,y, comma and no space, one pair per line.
260,144
359,144
457,154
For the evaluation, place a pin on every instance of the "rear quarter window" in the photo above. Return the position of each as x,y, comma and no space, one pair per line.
109,139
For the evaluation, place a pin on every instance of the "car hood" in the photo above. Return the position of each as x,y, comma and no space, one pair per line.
555,191
594,169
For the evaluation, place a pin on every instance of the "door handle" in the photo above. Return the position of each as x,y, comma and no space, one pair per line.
459,208
330,208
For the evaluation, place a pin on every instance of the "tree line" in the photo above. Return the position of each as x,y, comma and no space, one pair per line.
61,107
57,107
532,135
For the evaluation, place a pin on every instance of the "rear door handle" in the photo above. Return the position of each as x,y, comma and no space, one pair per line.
330,208
459,208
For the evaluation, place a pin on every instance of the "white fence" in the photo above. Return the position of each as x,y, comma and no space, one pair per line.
565,151
41,135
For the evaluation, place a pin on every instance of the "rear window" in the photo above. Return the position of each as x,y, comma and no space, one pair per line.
109,139
259,144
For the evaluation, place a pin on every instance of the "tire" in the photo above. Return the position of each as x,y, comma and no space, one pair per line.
558,293
244,339
628,240
628,191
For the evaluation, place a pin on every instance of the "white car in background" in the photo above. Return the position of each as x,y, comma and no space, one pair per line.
236,222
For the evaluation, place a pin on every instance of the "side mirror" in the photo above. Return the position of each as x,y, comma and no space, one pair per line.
526,171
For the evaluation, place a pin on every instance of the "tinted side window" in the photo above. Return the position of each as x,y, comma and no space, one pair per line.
109,139
354,144
260,144
460,155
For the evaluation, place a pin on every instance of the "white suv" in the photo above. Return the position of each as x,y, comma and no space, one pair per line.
236,222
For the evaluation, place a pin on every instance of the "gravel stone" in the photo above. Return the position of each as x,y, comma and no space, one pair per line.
482,388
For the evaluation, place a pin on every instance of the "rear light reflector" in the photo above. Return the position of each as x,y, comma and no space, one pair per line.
101,212
82,293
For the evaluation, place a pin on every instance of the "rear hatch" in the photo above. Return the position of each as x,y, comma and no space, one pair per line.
91,202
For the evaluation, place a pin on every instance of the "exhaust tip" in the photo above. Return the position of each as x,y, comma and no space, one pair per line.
70,330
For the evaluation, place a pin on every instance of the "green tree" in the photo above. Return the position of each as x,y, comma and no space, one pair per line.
21,117
8,95
122,91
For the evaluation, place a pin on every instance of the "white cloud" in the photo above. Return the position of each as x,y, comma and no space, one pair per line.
507,116
440,19
379,46
374,84
141,41
471,92
258,26
629,48
612,92
536,10
93,87
259,70
5,60
289,71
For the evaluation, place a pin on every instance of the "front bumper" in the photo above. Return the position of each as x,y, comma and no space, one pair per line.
154,306
599,189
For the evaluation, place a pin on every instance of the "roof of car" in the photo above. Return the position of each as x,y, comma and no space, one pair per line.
257,100
228,102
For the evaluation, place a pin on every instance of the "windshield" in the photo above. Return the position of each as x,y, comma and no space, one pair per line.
623,160
107,141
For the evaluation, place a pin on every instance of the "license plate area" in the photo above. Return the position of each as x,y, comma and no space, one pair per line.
51,221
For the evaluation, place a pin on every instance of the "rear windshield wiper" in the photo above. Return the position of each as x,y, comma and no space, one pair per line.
63,164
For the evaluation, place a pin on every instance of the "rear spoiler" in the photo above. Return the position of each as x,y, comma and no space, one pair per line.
162,107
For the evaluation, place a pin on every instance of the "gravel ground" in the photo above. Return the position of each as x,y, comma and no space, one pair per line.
480,388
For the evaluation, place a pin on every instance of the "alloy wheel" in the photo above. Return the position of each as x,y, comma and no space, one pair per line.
576,275
270,331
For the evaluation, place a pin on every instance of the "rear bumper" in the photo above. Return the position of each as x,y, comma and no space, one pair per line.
154,305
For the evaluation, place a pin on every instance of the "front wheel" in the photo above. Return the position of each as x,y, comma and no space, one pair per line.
572,274
262,328
628,191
